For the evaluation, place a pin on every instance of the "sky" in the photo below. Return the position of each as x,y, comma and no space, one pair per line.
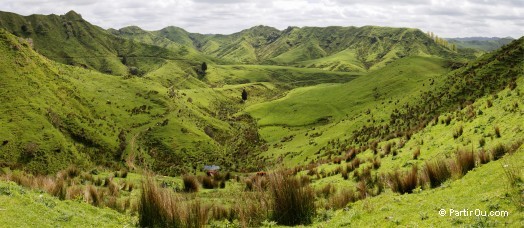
446,18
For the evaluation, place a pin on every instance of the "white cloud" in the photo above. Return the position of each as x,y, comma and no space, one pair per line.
448,18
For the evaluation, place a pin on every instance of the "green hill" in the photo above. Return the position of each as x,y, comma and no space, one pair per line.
71,40
332,48
398,99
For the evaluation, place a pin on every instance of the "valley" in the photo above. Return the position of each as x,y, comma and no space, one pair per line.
363,125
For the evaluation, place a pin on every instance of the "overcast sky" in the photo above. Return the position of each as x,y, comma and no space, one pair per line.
446,18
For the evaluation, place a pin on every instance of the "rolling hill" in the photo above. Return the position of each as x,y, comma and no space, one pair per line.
69,39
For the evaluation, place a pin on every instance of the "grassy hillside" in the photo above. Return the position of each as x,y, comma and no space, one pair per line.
332,48
34,208
58,114
394,101
71,40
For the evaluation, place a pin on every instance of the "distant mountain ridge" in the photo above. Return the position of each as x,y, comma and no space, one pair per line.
480,43
72,40
331,48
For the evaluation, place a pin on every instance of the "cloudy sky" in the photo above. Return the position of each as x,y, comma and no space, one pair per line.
446,18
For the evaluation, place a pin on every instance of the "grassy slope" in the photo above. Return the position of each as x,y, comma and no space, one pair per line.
82,112
335,110
71,40
330,48
486,187
307,112
33,208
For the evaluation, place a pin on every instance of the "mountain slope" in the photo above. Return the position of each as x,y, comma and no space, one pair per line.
369,47
71,40
394,101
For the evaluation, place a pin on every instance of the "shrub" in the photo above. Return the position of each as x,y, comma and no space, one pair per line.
437,172
293,202
498,151
124,173
465,161
190,183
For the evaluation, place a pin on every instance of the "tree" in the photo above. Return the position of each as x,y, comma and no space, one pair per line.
244,94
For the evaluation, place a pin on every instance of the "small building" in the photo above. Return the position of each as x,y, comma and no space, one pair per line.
211,170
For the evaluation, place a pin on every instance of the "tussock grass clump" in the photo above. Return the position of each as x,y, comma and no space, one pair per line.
326,191
98,182
498,151
404,182
252,208
416,153
208,183
107,180
113,189
344,173
72,172
387,148
376,163
484,157
497,131
293,201
458,132
437,172
92,196
190,183
60,189
342,198
482,142
465,161
362,190
157,207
